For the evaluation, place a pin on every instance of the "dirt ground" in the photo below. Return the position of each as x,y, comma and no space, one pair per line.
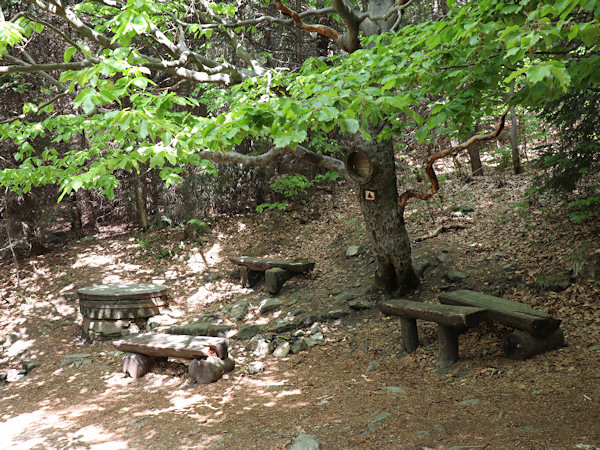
484,401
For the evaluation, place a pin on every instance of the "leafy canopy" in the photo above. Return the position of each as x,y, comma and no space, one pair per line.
432,77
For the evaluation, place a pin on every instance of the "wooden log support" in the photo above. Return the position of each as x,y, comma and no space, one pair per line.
521,345
210,369
137,365
173,345
263,264
509,313
450,319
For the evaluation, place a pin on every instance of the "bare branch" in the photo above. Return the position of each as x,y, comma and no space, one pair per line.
320,29
29,68
435,186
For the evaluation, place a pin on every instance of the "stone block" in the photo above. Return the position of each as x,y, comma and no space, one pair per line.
275,278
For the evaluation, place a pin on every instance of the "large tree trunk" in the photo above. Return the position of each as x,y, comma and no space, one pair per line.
384,220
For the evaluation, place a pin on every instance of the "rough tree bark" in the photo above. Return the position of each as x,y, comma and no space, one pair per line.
384,220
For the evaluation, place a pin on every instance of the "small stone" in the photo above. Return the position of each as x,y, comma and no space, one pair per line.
281,326
260,346
345,297
378,418
443,257
361,304
3,377
507,267
373,366
318,336
74,358
336,314
247,332
446,250
255,367
455,275
28,366
239,311
298,345
310,342
315,328
420,268
282,350
353,250
298,333
155,322
471,402
394,390
501,415
275,278
269,304
305,442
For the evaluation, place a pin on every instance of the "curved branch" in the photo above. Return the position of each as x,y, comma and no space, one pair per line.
349,41
320,29
435,185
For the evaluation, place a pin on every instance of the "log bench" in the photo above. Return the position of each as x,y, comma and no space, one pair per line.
451,321
536,331
209,355
276,271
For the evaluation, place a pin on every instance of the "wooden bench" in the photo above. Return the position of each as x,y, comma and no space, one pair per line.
276,271
209,355
536,331
451,321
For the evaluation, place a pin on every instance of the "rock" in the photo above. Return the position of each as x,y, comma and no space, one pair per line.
316,328
248,277
76,360
159,321
209,370
269,304
247,332
275,278
353,250
394,390
298,345
373,366
377,419
3,377
556,283
443,258
260,346
420,268
336,314
255,367
345,297
239,310
305,442
281,326
455,275
310,342
318,337
282,350
28,366
137,365
471,402
361,304
200,329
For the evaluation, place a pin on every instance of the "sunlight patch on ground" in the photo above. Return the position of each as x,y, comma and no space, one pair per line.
199,261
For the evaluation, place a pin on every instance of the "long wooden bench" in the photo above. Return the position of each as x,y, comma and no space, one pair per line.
536,331
276,271
451,321
209,355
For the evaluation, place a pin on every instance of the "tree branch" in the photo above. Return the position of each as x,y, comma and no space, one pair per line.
349,41
429,170
320,29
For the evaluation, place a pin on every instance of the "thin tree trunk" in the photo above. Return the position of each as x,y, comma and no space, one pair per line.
475,157
141,204
514,145
12,250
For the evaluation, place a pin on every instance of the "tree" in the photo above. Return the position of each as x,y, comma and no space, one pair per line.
125,62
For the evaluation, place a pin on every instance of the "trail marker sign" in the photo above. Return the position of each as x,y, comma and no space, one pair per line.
370,195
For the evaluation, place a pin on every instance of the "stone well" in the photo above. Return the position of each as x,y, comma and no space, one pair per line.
112,310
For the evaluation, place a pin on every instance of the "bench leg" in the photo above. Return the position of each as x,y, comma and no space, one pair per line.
248,278
448,340
410,335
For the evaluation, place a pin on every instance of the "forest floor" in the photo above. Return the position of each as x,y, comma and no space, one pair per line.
334,390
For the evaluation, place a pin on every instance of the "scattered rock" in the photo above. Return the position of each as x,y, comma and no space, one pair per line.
255,367
28,366
471,402
353,250
421,267
316,328
373,366
455,275
318,337
281,326
361,304
3,377
305,442
275,278
378,418
345,297
310,342
155,322
556,283
239,311
269,304
76,360
247,332
282,350
260,346
336,314
298,345
443,258
394,390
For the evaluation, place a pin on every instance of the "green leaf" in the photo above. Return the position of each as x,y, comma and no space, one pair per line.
349,125
69,52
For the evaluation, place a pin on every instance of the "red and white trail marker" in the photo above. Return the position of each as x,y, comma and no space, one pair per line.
370,196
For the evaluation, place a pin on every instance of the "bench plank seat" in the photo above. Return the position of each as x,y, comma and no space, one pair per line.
173,345
263,264
509,313
460,317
